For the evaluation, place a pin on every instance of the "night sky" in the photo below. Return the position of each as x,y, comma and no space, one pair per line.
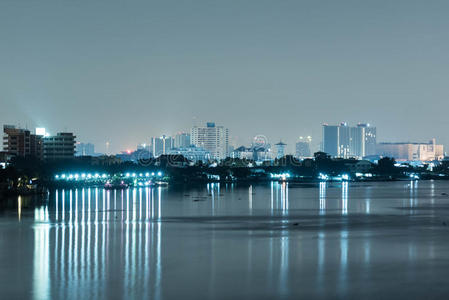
123,71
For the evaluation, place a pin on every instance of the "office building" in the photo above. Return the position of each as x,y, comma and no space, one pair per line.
345,141
214,139
182,140
21,142
330,140
59,146
303,147
161,145
412,151
280,149
364,140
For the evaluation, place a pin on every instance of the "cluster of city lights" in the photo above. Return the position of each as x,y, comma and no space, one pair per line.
369,175
414,176
82,176
98,176
325,177
282,176
141,175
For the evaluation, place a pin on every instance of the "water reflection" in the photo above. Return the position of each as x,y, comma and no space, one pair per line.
41,254
323,186
279,200
81,246
413,200
92,243
344,198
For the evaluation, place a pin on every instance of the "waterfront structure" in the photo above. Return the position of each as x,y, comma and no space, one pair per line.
161,145
84,149
303,147
5,158
182,140
21,142
192,153
359,166
345,141
280,149
412,151
59,146
214,139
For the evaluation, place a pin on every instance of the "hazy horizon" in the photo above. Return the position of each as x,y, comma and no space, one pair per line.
126,71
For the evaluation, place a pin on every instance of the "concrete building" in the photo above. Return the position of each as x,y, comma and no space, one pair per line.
368,135
59,146
22,142
182,140
161,145
214,139
303,147
242,152
256,152
192,153
331,140
412,151
280,149
345,141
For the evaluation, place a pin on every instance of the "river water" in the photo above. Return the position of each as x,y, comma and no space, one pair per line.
223,241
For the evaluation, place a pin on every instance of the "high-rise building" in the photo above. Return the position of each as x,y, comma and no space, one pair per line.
214,139
161,145
59,146
331,139
21,142
280,149
303,147
85,149
182,140
345,141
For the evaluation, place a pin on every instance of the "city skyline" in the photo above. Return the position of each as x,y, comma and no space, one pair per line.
277,69
315,143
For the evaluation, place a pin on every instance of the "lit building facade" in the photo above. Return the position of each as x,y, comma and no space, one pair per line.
161,145
214,139
412,151
182,140
280,149
303,147
345,141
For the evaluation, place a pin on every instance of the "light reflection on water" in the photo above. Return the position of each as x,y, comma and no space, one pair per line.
261,240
